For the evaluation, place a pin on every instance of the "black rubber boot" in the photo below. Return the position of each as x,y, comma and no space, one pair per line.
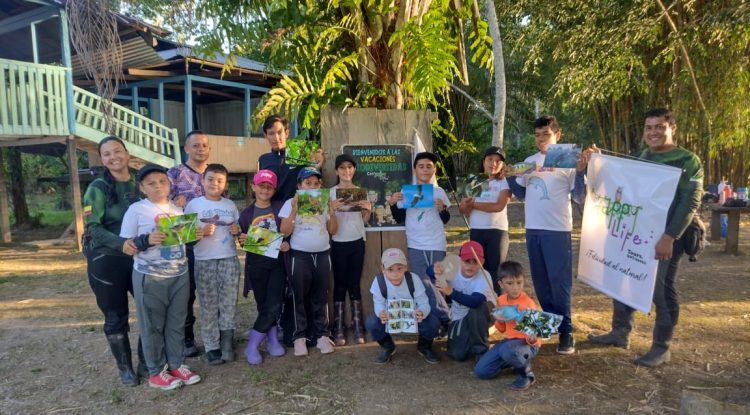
357,324
226,342
387,349
659,353
338,323
622,324
120,346
142,367
424,347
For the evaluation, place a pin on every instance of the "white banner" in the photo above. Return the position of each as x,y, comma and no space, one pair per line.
624,217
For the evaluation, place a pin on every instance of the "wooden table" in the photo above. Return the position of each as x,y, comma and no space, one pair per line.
733,230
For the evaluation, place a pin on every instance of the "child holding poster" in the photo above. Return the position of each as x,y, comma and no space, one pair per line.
310,228
425,231
265,274
517,349
488,216
217,269
348,251
160,282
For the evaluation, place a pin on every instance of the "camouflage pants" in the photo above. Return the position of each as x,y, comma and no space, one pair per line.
217,283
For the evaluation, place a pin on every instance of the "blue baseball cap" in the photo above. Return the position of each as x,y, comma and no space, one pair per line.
308,172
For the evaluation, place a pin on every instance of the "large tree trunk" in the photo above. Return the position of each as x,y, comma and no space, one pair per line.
17,192
498,122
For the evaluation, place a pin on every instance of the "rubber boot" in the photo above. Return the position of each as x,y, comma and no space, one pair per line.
274,347
387,349
338,323
142,367
659,352
226,342
424,347
622,324
357,322
120,346
253,342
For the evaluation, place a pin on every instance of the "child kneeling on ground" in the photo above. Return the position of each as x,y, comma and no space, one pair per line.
160,282
396,283
517,349
469,291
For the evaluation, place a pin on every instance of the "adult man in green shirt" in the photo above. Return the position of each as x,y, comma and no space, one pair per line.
658,135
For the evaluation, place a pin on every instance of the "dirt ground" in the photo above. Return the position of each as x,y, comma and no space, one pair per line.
54,357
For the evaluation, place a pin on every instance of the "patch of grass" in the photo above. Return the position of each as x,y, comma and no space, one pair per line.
55,217
115,396
37,370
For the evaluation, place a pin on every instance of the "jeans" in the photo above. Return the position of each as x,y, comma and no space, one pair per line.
495,243
508,353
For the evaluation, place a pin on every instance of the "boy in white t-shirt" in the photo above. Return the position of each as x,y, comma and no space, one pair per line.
396,283
310,266
425,230
217,269
160,282
469,292
549,222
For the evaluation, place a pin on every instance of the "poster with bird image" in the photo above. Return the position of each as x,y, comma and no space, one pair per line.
180,229
299,152
312,202
263,241
418,196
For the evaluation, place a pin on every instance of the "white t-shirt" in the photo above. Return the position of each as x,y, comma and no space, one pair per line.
310,233
398,292
424,229
547,205
161,261
490,220
351,227
476,284
221,213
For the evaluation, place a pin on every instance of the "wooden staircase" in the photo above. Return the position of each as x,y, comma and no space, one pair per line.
34,110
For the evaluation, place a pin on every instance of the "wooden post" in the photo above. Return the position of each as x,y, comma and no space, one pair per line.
733,232
75,190
715,225
4,211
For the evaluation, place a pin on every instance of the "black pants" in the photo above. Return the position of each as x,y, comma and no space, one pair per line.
495,243
190,316
347,259
666,301
268,279
110,278
309,282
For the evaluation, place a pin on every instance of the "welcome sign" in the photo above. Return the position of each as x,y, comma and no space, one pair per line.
624,217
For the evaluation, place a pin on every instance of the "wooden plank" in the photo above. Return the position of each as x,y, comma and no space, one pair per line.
75,191
43,102
715,225
4,103
237,154
23,142
33,107
23,101
371,267
4,210
392,127
13,122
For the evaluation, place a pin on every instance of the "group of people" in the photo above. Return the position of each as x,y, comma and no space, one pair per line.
125,255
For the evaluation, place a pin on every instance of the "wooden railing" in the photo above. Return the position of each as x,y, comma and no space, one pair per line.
32,99
145,135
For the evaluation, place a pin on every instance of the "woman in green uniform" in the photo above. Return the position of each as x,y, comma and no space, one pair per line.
109,257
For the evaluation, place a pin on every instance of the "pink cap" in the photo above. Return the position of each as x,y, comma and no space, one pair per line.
466,249
265,176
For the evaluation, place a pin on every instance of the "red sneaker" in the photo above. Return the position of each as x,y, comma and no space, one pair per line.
164,381
184,374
